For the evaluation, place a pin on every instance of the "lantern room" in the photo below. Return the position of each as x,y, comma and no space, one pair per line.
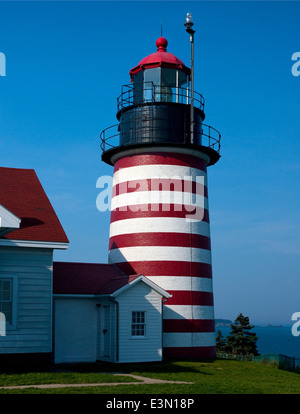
155,109
161,77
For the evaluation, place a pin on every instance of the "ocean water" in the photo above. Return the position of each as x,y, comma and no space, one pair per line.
272,340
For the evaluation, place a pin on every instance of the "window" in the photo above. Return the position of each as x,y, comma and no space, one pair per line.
168,85
151,84
183,87
138,325
6,299
138,87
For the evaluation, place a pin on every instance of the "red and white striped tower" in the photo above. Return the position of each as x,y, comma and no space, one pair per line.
159,209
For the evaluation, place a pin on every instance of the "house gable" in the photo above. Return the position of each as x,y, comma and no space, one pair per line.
148,282
8,221
22,195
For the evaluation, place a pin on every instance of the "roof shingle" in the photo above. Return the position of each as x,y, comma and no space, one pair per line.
87,278
22,193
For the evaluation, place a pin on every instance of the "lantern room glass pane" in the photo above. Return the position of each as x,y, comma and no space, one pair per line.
168,77
152,76
183,85
168,85
138,87
151,84
182,79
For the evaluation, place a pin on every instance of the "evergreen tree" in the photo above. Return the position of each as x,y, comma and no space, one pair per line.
241,341
220,342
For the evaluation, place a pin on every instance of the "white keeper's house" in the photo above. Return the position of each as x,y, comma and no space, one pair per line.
66,312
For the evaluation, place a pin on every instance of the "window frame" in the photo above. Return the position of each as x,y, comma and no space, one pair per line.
138,324
11,325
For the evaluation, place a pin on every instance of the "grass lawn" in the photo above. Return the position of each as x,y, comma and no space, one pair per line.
208,377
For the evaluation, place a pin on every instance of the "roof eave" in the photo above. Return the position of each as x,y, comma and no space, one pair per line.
34,243
8,221
158,64
147,281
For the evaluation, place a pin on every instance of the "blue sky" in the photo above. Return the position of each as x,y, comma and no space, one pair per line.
65,65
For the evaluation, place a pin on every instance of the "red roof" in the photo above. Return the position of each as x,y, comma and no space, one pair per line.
88,278
22,193
161,58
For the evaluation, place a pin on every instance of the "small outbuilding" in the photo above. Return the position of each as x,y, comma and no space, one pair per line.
101,314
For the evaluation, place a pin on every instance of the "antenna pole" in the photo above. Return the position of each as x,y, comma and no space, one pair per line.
188,24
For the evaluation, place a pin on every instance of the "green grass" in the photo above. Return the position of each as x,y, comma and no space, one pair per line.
60,378
208,377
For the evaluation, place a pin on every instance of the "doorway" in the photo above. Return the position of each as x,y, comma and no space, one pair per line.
105,331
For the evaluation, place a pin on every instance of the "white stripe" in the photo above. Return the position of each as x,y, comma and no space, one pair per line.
160,225
144,172
154,253
188,312
188,339
198,284
189,200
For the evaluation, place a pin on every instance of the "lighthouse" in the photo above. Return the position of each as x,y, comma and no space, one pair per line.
160,150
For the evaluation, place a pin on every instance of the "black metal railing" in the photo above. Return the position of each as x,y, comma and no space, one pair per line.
148,92
208,137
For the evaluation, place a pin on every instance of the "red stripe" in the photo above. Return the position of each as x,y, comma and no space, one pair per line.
156,210
166,268
188,325
184,297
159,158
159,184
159,239
190,352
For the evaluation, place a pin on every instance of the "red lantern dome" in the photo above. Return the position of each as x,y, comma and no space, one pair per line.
161,58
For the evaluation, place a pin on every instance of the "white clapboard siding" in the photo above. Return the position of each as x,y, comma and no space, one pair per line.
31,271
75,334
140,298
